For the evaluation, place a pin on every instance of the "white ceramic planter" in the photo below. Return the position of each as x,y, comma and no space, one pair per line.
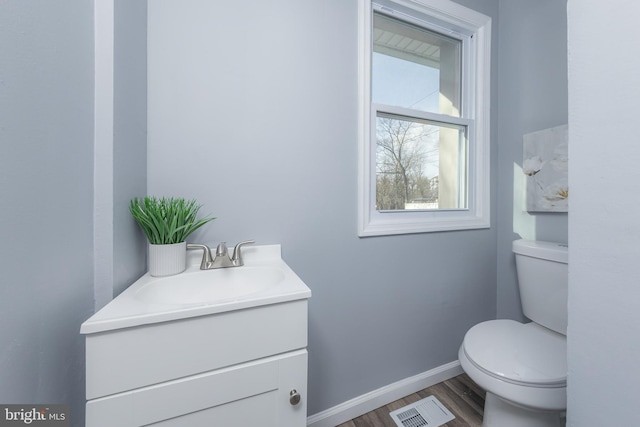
167,260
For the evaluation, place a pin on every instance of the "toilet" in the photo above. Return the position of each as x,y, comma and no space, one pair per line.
523,366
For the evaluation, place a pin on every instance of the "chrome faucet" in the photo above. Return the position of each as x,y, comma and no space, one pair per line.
222,258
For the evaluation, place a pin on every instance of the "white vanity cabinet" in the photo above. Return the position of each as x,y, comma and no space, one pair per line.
223,366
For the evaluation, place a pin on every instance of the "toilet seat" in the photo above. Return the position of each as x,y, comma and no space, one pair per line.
521,354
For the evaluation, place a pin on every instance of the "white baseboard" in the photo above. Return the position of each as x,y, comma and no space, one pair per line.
369,401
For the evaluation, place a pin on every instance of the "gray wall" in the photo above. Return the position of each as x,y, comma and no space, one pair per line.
129,139
46,195
604,321
532,96
256,118
47,191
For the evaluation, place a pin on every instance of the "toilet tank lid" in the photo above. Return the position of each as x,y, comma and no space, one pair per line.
558,252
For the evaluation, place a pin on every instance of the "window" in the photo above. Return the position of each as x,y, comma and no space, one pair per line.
424,117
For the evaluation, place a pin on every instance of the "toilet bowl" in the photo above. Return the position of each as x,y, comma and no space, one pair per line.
523,366
520,365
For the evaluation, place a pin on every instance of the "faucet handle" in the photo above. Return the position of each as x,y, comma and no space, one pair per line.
236,258
206,256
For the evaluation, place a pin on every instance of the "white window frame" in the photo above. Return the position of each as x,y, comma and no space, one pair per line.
448,18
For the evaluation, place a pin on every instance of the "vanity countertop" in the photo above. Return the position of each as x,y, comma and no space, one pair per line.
160,299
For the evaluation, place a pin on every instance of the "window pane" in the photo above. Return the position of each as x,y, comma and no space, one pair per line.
420,164
415,68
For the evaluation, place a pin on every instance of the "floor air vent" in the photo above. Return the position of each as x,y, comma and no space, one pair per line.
428,412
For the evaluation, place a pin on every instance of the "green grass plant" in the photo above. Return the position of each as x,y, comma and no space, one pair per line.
166,221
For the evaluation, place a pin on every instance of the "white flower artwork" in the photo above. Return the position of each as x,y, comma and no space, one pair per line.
546,166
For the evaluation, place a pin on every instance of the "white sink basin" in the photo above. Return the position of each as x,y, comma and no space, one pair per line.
210,286
264,279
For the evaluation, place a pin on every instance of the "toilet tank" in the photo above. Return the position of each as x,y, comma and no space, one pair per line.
543,280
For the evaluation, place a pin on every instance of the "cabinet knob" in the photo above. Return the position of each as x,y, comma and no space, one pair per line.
294,397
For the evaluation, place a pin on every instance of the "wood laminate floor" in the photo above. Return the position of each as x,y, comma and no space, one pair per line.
460,395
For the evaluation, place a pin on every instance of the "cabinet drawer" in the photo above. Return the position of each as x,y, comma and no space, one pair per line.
136,357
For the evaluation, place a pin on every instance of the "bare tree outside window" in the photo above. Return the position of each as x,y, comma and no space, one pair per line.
406,164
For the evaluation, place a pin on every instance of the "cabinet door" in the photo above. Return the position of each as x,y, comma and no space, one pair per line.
292,376
254,393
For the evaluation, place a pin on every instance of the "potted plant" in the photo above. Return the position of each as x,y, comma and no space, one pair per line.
167,222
